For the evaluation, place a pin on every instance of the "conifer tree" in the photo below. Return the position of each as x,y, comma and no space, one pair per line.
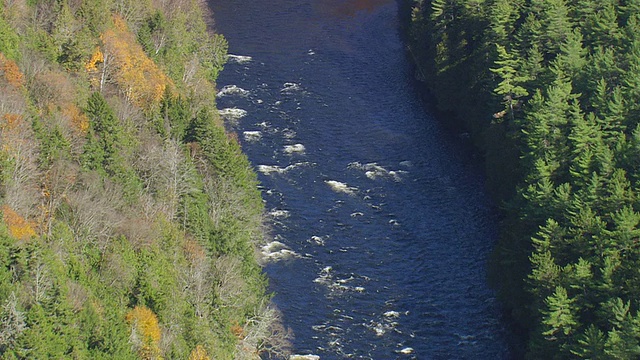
558,27
591,344
559,318
511,79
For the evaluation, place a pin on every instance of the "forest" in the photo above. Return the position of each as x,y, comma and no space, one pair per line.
129,215
550,91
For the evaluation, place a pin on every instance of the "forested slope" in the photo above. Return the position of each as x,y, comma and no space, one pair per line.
551,92
129,214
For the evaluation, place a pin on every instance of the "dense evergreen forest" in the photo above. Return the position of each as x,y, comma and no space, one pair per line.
550,90
129,214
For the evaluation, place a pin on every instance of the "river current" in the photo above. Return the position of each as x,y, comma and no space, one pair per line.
380,229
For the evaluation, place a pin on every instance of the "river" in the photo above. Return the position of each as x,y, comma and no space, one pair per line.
380,228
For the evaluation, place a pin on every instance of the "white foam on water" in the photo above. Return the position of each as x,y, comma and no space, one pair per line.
344,281
304,357
337,286
338,186
231,90
274,246
324,276
290,87
288,133
374,171
316,240
295,148
391,314
232,114
406,351
335,343
311,52
406,163
239,59
276,251
270,169
279,214
396,174
252,136
379,328
334,328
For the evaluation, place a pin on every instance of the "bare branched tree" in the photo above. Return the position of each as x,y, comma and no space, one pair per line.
265,335
166,174
196,278
12,322
17,140
58,181
96,211
39,282
229,286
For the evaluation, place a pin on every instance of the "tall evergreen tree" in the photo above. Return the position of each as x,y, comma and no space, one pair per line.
511,80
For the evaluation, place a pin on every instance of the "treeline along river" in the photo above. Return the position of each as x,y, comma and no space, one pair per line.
380,227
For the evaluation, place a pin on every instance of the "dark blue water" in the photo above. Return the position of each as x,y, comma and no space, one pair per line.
380,225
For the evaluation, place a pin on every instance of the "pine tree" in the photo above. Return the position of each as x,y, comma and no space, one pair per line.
510,85
603,29
591,344
631,82
572,58
560,320
622,341
533,68
175,114
585,141
529,34
558,26
545,273
503,16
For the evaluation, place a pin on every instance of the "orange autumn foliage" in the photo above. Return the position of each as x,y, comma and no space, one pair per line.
79,120
11,72
145,324
10,122
199,353
19,228
133,71
237,331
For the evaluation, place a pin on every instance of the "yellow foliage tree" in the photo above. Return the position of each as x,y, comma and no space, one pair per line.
19,228
199,353
96,58
133,71
145,332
